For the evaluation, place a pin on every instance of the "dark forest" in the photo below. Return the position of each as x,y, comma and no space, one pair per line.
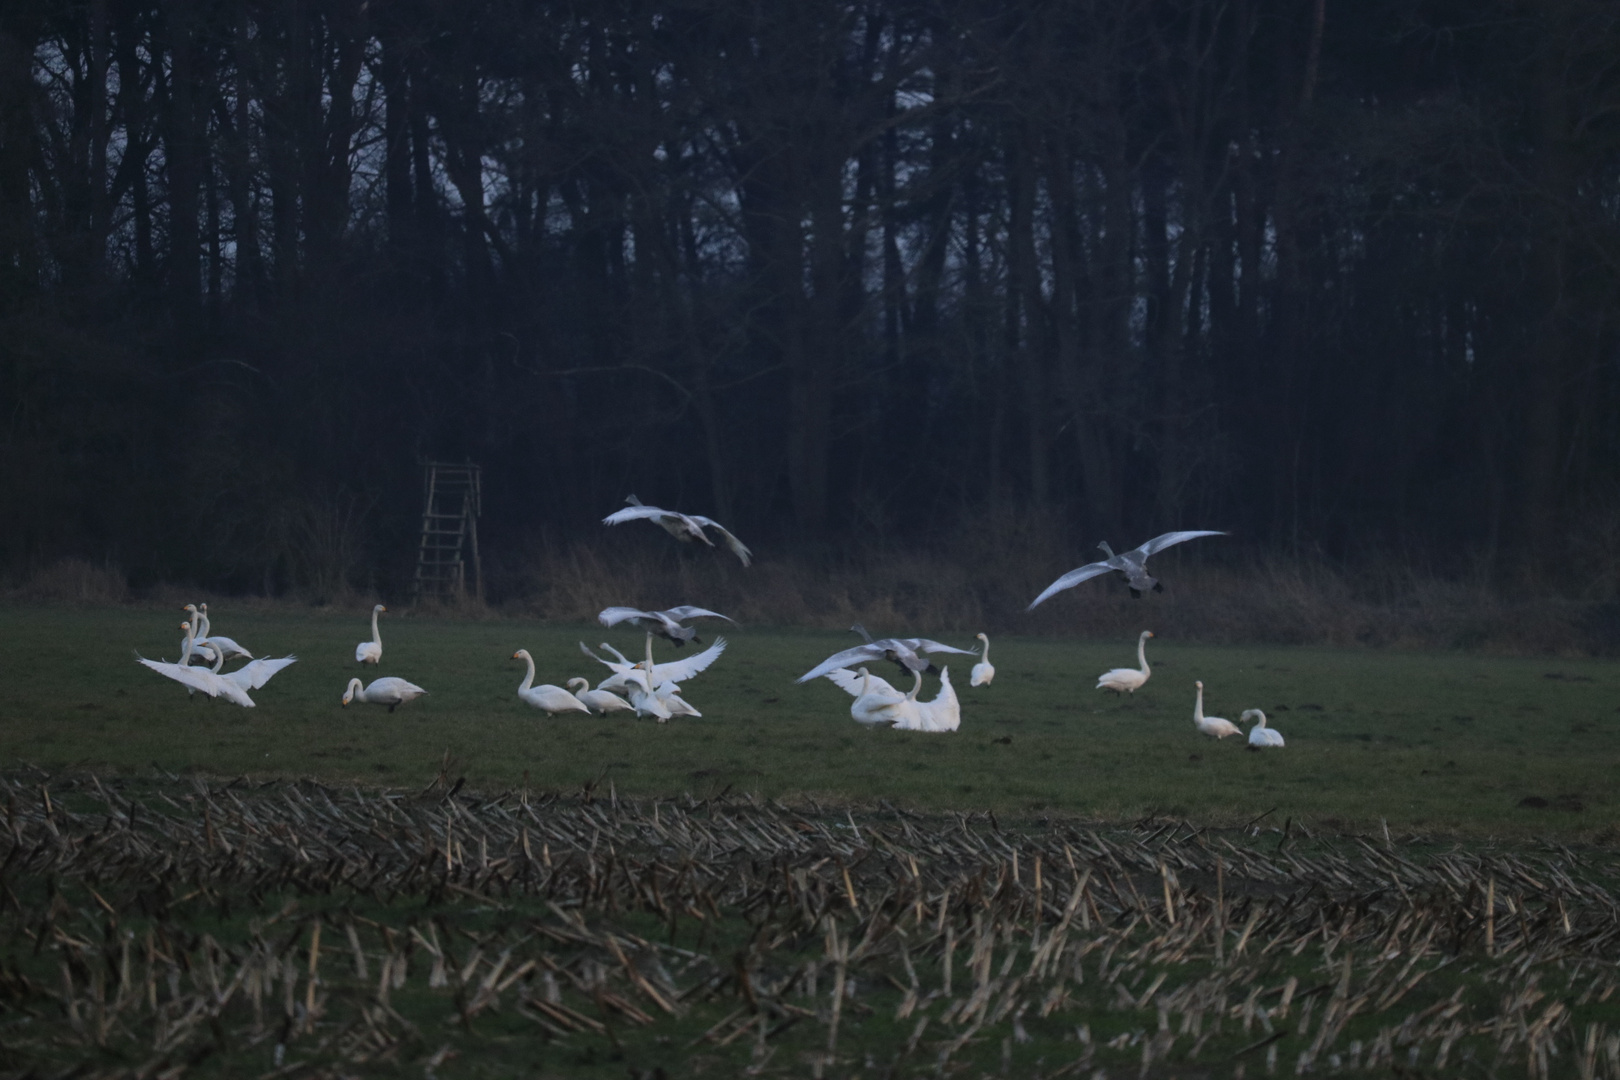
1343,279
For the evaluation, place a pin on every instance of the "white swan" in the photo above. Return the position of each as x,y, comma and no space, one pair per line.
552,699
683,527
638,685
901,651
666,624
387,690
1260,735
876,702
1133,564
676,671
600,702
1124,680
370,652
944,713
194,679
212,641
1211,725
201,652
984,670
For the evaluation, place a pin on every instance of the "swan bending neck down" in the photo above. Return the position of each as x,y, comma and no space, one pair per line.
552,699
193,679
983,671
1129,680
600,702
1211,725
370,652
388,690
1261,736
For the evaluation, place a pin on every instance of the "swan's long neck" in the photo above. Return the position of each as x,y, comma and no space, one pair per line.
984,653
528,674
866,682
191,632
649,659
915,686
1141,654
376,635
202,629
584,684
1198,707
219,659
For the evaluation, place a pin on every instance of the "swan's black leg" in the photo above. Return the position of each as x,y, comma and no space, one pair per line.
1136,594
391,707
1158,586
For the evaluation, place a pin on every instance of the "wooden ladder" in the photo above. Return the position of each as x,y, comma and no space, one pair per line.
450,507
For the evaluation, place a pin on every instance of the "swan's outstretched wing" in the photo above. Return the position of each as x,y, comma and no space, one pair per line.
1159,543
687,611
738,548
1069,581
680,670
254,675
850,682
653,513
618,669
613,616
860,654
922,644
196,678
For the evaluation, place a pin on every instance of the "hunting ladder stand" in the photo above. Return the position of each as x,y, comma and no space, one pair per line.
450,508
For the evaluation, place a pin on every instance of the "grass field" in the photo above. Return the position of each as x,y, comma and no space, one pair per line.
1072,885
1436,742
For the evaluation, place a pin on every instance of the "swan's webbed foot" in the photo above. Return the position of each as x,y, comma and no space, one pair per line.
1158,586
1136,594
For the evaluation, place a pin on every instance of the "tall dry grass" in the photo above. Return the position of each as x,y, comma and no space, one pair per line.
982,578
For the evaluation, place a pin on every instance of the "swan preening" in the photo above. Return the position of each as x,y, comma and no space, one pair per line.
666,624
370,652
901,651
983,671
683,527
1133,564
1211,725
1126,680
387,691
1261,736
878,703
552,699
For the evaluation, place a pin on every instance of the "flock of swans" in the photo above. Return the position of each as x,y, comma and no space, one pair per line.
647,689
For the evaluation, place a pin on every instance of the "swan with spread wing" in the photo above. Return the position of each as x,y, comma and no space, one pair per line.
666,624
686,528
1132,563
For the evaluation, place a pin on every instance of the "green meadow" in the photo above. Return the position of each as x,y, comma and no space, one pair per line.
1479,745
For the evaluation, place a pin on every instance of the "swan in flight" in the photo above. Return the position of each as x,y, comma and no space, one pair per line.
387,690
984,670
1261,736
552,699
370,652
901,651
1211,725
683,527
194,679
600,702
1133,564
1125,680
212,641
666,624
676,671
876,702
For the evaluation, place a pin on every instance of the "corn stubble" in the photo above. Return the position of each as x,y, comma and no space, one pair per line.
170,929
